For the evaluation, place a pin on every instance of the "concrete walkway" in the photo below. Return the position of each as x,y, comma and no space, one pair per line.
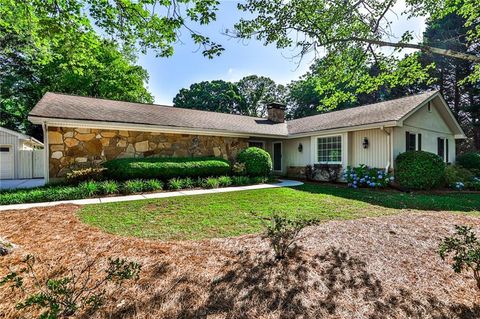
283,183
21,183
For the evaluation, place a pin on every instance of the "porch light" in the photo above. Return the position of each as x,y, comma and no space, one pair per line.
300,147
365,142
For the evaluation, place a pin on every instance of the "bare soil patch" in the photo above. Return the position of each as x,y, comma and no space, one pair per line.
382,267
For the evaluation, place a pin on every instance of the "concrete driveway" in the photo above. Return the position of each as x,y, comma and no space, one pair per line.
21,183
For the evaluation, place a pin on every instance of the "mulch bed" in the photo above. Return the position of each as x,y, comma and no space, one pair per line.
384,267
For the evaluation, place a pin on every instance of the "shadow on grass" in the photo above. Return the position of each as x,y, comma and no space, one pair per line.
399,200
333,284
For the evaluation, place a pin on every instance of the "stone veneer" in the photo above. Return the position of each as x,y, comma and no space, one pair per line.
75,148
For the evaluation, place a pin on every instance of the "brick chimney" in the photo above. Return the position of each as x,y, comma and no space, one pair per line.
276,112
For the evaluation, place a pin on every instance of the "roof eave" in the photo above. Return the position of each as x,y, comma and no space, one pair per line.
345,129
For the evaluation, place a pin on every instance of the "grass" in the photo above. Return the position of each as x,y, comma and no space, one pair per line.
237,213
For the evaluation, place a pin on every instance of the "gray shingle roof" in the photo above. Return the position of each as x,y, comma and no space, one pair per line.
386,111
70,107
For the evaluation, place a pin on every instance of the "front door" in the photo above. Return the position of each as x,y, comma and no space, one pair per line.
277,156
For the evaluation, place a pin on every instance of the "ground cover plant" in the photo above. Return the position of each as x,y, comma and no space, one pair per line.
230,214
165,168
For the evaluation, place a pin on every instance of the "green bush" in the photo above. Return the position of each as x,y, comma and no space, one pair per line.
257,161
420,170
165,168
133,186
86,174
456,173
470,161
187,182
224,181
175,183
240,180
259,180
108,187
211,182
89,188
152,185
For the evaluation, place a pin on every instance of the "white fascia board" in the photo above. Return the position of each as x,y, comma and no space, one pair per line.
143,128
346,129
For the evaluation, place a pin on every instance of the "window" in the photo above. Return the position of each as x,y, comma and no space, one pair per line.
258,144
4,149
442,148
413,142
329,149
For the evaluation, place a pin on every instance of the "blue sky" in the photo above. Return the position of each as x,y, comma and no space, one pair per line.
240,58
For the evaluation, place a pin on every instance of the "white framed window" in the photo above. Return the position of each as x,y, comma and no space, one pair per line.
329,149
259,144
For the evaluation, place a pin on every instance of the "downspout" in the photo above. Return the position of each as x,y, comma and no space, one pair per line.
46,149
382,128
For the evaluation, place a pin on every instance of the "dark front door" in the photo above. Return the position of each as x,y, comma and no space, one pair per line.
277,156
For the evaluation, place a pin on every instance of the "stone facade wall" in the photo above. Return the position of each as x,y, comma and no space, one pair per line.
75,148
296,171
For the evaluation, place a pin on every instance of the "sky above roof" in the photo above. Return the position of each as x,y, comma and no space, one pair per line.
240,58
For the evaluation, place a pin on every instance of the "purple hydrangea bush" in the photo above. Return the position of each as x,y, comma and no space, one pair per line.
365,176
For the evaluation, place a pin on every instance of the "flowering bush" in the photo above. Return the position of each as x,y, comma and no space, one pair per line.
458,186
472,184
364,176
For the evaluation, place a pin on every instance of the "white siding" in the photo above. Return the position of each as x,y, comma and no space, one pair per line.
431,125
291,155
13,141
377,153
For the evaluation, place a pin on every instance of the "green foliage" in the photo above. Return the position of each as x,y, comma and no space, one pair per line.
257,161
224,181
152,185
239,168
456,173
240,180
108,187
82,175
175,183
420,170
283,232
89,188
211,182
62,297
133,186
216,96
367,177
470,161
465,250
165,168
188,183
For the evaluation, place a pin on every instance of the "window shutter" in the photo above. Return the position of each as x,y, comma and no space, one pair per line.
446,150
419,142
407,141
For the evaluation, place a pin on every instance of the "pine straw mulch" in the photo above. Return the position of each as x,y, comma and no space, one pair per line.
384,267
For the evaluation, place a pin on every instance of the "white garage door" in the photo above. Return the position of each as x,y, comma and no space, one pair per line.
6,162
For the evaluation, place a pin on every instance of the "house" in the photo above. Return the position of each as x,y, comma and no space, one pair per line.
83,131
17,155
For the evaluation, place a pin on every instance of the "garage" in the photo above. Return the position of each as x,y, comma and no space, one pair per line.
7,162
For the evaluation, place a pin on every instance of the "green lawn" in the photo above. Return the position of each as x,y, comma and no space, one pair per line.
232,214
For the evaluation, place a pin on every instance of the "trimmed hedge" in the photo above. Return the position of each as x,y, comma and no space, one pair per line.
165,168
257,161
420,170
470,161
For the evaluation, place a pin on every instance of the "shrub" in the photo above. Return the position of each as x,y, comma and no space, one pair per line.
257,161
364,176
283,233
259,180
211,182
187,182
81,175
239,168
108,187
455,173
62,297
420,170
133,186
89,188
474,184
240,180
224,181
465,248
165,168
470,161
152,185
175,183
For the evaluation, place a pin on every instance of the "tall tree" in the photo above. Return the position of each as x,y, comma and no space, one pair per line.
216,96
258,91
353,33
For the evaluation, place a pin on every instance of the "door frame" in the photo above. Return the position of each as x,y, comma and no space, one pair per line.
281,156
